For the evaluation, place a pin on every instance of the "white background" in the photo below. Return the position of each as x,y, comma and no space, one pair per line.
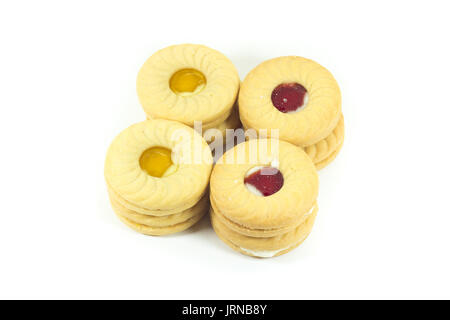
67,87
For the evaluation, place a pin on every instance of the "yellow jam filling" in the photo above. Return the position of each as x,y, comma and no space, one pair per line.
187,82
155,161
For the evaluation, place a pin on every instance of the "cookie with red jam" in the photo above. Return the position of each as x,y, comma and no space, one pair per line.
263,197
301,99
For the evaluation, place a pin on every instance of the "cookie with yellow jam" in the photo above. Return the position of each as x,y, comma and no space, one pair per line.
153,212
188,83
161,221
262,193
162,225
298,97
160,231
157,173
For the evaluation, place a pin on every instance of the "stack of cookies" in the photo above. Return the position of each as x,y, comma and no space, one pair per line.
189,83
301,100
263,197
157,174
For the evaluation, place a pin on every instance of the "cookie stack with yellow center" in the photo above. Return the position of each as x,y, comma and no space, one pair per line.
301,99
189,83
263,197
157,174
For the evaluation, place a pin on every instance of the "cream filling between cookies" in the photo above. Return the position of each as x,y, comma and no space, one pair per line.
263,253
271,253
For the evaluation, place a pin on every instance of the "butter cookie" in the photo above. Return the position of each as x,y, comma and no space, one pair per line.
298,97
263,189
157,174
188,83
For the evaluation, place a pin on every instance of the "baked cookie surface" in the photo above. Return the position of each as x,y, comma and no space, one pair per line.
157,173
233,199
295,95
160,231
161,221
188,83
326,148
264,247
125,176
256,232
263,197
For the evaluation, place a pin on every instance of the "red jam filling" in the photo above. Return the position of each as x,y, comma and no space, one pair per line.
288,97
267,180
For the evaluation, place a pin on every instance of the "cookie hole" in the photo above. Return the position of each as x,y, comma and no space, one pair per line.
289,97
186,82
157,162
263,180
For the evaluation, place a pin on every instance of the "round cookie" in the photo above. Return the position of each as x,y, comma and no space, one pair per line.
267,246
322,164
263,197
260,233
188,83
157,173
190,153
161,221
295,95
155,212
160,231
323,149
260,254
283,208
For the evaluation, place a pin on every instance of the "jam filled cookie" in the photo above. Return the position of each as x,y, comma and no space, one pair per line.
161,221
157,173
263,247
263,197
301,99
188,83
